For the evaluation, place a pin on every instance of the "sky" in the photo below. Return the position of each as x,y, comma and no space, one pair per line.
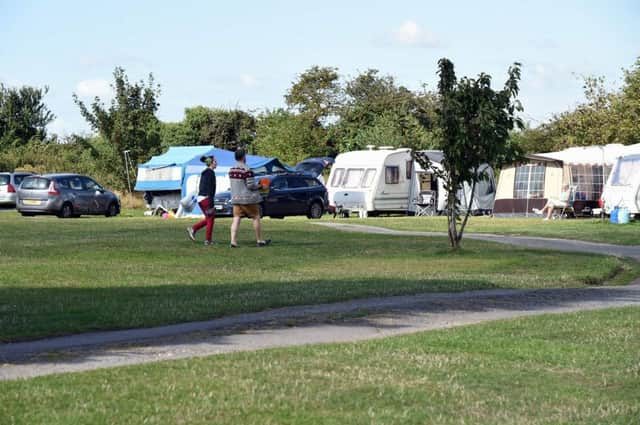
247,54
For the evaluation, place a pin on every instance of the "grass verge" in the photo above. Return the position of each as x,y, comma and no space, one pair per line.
69,276
594,230
579,368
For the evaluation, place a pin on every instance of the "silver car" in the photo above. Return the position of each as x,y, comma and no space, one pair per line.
65,195
9,184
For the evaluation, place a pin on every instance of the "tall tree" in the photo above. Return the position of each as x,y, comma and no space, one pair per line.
23,115
225,129
473,128
130,122
316,93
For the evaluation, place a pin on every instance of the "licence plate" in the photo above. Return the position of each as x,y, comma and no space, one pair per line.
218,207
31,202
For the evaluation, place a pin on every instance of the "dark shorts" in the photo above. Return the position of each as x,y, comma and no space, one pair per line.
250,210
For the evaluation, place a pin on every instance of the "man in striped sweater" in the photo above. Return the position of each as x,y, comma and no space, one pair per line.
246,198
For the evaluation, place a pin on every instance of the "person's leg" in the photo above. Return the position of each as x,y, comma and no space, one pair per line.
210,222
204,204
234,230
257,228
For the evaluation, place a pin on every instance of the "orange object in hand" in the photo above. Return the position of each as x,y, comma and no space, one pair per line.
264,184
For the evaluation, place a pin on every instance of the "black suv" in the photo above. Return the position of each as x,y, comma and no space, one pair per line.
288,194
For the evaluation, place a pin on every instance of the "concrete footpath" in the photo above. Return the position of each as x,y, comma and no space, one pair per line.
338,322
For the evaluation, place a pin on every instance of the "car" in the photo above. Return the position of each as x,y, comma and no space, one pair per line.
65,195
286,195
315,166
9,184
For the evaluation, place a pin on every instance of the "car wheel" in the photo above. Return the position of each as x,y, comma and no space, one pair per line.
66,211
315,210
112,210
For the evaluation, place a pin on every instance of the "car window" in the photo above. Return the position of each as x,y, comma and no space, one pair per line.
17,178
279,183
75,183
296,182
63,183
4,179
35,183
89,184
311,182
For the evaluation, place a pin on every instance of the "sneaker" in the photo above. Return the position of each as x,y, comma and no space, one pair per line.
191,233
263,243
207,243
545,219
232,245
536,210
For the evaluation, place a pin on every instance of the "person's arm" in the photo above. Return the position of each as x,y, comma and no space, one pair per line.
252,184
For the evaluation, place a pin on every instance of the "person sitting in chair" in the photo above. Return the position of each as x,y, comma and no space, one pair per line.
552,204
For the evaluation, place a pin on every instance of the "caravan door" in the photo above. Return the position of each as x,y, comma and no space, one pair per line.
394,184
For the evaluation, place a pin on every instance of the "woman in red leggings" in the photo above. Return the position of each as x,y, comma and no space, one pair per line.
206,192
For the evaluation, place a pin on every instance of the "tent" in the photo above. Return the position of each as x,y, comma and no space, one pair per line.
167,178
528,185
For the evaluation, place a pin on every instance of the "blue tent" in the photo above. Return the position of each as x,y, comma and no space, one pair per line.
176,173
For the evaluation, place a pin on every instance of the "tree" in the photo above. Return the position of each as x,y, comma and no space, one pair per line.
129,123
316,94
378,112
220,128
288,136
473,125
23,115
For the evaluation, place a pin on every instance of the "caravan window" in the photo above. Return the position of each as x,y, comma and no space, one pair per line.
588,181
353,177
409,169
529,182
369,175
337,177
392,174
625,171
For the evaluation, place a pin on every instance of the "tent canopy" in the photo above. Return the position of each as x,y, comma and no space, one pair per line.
167,171
606,154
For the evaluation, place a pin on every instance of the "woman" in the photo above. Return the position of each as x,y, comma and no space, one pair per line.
206,192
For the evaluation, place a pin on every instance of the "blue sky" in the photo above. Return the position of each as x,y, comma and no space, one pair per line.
247,54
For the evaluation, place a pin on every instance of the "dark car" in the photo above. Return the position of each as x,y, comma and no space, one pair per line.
288,194
9,184
65,195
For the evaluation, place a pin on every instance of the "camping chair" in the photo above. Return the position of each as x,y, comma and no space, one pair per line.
425,203
564,212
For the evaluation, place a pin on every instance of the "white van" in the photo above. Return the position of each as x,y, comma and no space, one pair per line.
623,185
371,181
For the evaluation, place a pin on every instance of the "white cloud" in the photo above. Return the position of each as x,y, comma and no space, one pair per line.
91,88
411,34
248,80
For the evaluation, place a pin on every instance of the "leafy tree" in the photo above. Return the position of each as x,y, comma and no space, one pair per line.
23,115
288,136
176,134
473,128
129,123
218,127
316,94
378,112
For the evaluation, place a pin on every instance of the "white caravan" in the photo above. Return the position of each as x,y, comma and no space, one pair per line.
426,181
371,181
623,185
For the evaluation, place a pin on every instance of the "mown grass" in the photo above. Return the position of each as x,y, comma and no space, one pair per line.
580,368
68,276
594,230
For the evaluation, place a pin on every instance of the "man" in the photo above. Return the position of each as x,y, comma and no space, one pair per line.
206,192
246,198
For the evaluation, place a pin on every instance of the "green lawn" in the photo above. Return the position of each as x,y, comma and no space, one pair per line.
580,368
67,276
594,230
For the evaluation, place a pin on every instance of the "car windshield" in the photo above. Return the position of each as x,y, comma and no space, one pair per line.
35,183
18,178
310,167
4,179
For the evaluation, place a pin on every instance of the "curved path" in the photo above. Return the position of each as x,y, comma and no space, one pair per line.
338,322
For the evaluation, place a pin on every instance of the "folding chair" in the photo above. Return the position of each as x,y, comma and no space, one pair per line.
568,208
425,203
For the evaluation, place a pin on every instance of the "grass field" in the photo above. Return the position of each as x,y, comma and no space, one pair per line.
68,276
594,230
580,368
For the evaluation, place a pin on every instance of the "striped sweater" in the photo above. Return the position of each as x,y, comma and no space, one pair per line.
244,188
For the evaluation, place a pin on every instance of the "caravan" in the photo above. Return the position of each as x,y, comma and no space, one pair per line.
388,180
623,185
371,181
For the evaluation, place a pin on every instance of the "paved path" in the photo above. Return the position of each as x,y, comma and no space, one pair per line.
338,322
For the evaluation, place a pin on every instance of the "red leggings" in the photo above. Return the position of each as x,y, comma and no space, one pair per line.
207,220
